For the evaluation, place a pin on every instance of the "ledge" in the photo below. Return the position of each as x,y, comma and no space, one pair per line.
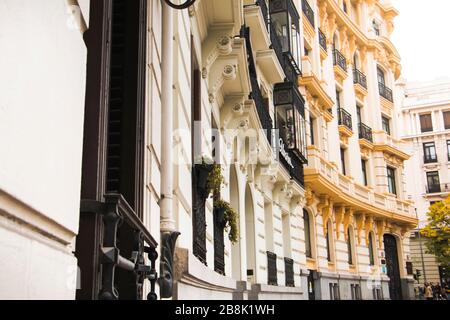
189,270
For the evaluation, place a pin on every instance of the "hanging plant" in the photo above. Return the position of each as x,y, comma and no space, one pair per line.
230,219
215,179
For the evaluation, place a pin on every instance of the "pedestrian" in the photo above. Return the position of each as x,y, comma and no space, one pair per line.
444,293
428,291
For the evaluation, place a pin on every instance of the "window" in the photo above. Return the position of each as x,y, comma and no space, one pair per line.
426,123
391,180
344,7
344,172
386,123
358,114
433,181
447,120
307,228
311,130
429,152
338,99
329,258
448,149
371,250
376,27
364,172
290,118
349,247
381,78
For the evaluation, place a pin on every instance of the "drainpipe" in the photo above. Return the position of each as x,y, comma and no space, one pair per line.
169,234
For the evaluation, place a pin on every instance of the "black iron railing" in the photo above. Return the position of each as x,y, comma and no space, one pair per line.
290,67
264,10
385,92
308,11
438,188
365,132
219,244
276,45
272,273
322,40
120,222
289,272
256,95
359,78
345,118
339,60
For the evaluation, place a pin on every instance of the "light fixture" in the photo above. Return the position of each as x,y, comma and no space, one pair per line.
184,5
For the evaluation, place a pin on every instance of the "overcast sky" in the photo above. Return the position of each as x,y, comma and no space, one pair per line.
422,36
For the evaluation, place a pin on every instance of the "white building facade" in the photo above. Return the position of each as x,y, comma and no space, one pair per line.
291,99
426,117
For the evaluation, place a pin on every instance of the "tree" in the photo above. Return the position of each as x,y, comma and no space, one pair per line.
437,231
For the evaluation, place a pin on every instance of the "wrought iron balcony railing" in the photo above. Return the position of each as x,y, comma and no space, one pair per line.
359,78
438,188
256,95
120,222
339,60
322,40
308,11
272,272
365,132
289,272
276,45
385,92
345,118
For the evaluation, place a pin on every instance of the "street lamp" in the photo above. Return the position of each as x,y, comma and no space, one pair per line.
184,5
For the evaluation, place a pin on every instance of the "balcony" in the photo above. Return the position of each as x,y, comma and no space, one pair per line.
324,178
385,92
340,65
308,11
289,272
268,57
383,142
272,273
438,188
359,78
365,132
284,20
345,119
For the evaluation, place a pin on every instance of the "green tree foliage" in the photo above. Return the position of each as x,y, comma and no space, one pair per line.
437,231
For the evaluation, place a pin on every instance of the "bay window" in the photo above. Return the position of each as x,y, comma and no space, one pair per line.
290,118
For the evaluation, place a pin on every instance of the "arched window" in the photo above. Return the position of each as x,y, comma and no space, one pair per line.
329,240
307,228
371,250
350,247
381,77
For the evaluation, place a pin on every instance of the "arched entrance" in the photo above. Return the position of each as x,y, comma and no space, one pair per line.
393,267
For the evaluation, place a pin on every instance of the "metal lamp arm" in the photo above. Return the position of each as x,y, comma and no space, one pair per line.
184,5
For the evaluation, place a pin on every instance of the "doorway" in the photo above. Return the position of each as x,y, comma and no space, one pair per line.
393,268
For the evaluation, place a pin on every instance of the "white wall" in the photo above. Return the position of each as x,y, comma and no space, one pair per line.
43,63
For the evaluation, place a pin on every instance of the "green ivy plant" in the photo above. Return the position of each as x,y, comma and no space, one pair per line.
230,219
215,179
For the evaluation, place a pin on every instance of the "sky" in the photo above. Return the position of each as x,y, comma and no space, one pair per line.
422,37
